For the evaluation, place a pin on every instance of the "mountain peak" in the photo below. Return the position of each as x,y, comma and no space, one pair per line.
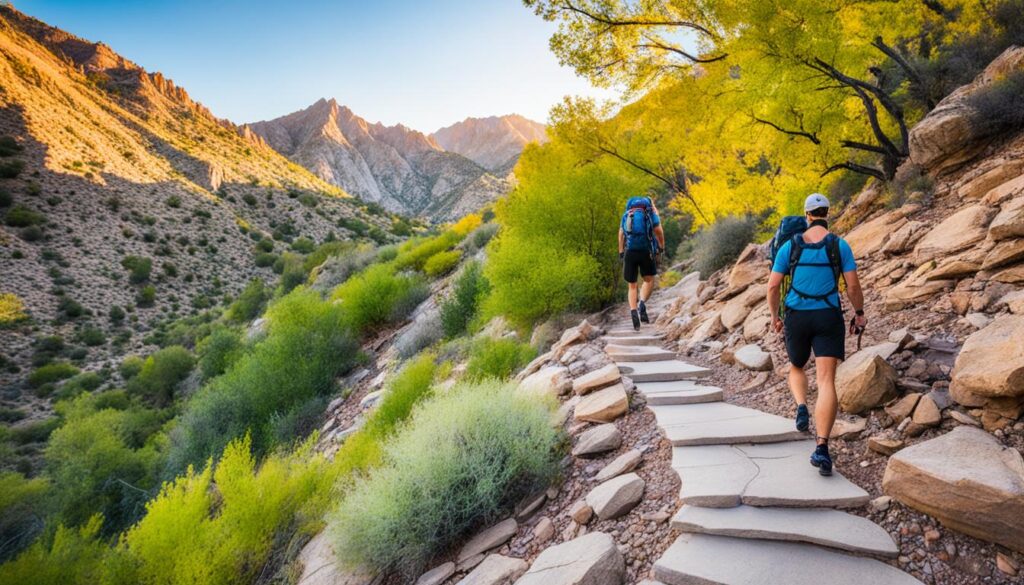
494,142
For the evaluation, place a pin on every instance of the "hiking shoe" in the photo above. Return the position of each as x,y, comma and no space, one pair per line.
643,312
636,320
822,460
803,419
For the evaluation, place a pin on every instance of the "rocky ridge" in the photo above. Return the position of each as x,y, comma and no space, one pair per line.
494,143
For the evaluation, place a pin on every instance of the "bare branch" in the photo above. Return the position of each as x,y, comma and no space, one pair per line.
568,5
850,166
801,133
911,73
862,146
653,44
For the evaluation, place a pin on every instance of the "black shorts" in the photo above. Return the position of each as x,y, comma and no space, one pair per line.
638,261
822,330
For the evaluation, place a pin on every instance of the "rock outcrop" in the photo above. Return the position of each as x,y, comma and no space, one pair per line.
494,143
592,559
865,380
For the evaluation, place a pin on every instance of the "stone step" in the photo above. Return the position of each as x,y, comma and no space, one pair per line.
628,331
633,340
721,423
705,559
679,392
774,474
662,371
830,528
638,353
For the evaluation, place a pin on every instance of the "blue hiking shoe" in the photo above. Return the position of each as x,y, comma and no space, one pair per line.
803,418
822,460
643,312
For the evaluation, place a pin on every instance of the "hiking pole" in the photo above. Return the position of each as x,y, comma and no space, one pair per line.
858,330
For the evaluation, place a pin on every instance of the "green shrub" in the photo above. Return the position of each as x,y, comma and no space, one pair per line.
377,296
84,382
12,310
50,373
9,146
306,346
218,351
68,556
249,303
463,462
323,252
461,305
497,358
138,268
265,259
92,336
32,233
9,415
336,269
669,278
289,266
116,314
19,511
303,245
998,109
21,216
34,432
415,253
718,245
146,296
173,201
131,366
10,169
5,198
442,263
161,373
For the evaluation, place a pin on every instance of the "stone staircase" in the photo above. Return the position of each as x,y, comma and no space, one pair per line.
754,510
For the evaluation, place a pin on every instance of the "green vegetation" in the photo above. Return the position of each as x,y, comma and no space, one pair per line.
19,500
9,146
51,373
718,245
218,351
464,460
21,216
442,263
497,358
459,309
249,303
377,296
161,372
12,310
10,169
138,268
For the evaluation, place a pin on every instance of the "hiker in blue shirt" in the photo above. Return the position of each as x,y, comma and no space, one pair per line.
813,316
641,238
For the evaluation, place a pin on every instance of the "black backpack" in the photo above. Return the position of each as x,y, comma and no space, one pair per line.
795,252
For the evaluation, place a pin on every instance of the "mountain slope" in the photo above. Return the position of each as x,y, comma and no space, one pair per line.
104,161
400,168
494,143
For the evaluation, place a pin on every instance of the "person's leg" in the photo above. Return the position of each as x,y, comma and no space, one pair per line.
648,288
632,296
798,384
798,348
827,404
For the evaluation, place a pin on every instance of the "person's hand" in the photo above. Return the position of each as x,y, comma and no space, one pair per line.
860,321
621,255
776,325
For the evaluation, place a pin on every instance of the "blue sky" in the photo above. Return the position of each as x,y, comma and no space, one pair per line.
426,64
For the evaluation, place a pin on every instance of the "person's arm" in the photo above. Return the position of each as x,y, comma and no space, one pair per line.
622,242
856,295
774,288
659,234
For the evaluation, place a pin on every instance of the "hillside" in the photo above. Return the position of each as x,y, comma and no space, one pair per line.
494,143
401,169
104,161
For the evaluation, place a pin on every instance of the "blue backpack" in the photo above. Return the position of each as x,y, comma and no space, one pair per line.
790,226
791,229
638,225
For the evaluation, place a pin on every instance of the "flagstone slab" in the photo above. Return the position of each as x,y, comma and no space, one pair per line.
638,353
678,392
706,559
774,474
602,406
634,339
721,423
824,527
662,371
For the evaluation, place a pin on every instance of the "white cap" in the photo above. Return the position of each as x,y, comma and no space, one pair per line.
815,201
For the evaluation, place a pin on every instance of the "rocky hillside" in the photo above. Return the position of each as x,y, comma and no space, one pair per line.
401,169
125,203
494,143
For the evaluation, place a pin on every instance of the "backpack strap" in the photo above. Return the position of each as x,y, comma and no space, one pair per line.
832,252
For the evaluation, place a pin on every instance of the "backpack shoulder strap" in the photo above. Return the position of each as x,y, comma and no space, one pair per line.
795,249
832,251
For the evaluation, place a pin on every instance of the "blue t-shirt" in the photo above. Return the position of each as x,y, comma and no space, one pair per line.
813,280
637,245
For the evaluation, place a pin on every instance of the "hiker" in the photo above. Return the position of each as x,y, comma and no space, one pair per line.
641,238
811,261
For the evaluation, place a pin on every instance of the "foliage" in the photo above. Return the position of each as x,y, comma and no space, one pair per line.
336,269
21,216
467,224
138,268
12,310
10,169
442,263
218,351
459,309
131,366
719,244
497,358
19,510
307,344
420,334
414,253
50,373
250,302
378,296
146,296
999,108
70,556
464,460
669,278
289,266
161,373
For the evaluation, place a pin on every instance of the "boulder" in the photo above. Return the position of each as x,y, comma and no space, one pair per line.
927,413
953,268
616,497
496,570
598,440
599,378
885,445
869,237
913,290
592,559
967,480
735,312
544,530
1004,253
1009,222
1007,190
550,381
321,567
1012,275
581,512
901,337
709,328
748,269
1014,301
991,362
846,427
947,137
903,407
902,239
956,234
756,325
622,464
603,405
492,537
865,380
753,358
437,575
999,174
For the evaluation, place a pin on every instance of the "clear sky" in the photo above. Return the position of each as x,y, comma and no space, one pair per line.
425,63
